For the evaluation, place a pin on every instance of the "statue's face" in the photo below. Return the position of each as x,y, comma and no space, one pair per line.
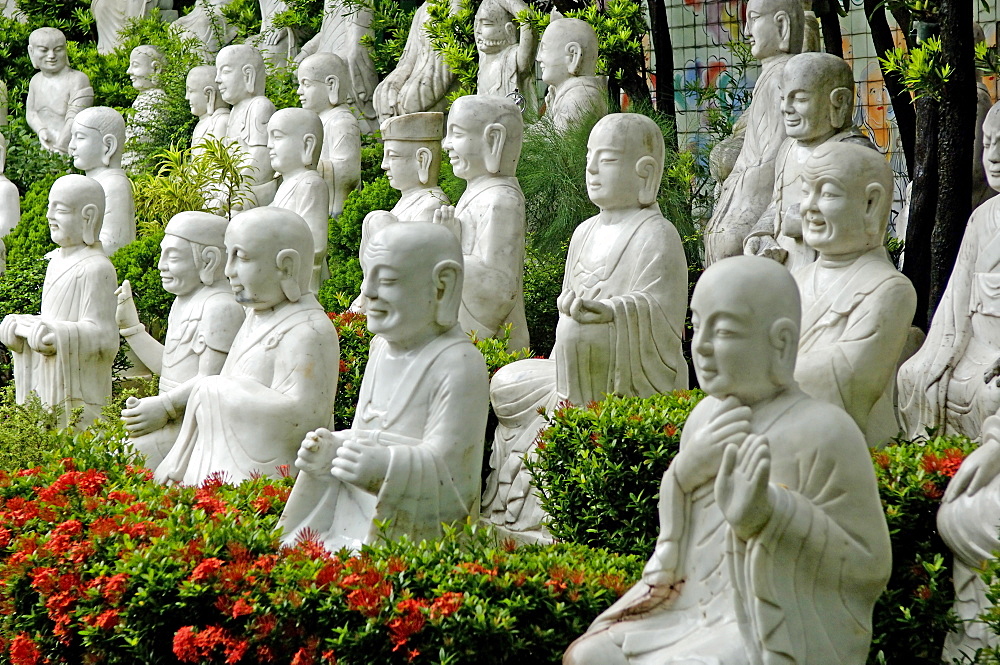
612,181
762,31
141,70
229,76
991,150
178,270
86,147
833,211
552,58
48,53
805,107
65,220
313,95
466,144
194,93
491,29
400,293
284,146
400,165
252,269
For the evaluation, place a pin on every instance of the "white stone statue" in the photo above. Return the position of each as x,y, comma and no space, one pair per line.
567,58
145,66
950,382
774,29
506,52
10,204
278,46
202,93
204,318
9,9
484,143
111,16
65,353
773,547
241,77
817,104
857,307
414,451
421,80
206,24
621,315
57,92
96,147
294,139
323,88
279,379
344,26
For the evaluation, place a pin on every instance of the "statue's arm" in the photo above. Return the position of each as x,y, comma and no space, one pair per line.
31,113
497,260
345,156
82,97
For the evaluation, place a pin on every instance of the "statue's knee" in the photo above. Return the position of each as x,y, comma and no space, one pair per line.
594,649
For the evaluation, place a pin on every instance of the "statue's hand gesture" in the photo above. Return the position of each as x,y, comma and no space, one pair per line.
698,462
445,215
741,486
992,372
142,416
125,313
565,301
317,451
8,333
362,462
42,339
980,467
591,311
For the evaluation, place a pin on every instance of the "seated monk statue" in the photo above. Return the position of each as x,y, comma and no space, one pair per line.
204,318
484,142
857,307
202,93
279,379
57,92
773,547
949,382
817,106
621,314
294,139
414,452
65,353
567,58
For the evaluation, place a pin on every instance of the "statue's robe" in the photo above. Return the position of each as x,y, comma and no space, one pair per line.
432,420
214,125
148,110
340,156
207,321
278,383
576,97
499,75
801,590
307,195
111,16
53,103
942,384
206,24
491,214
248,127
853,333
746,192
78,306
642,276
118,228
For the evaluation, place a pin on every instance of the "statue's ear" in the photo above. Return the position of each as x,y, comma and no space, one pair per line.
249,77
841,107
425,158
495,136
210,98
646,168
511,31
211,259
875,195
110,142
289,264
308,146
89,215
333,89
784,24
157,66
784,336
574,53
448,285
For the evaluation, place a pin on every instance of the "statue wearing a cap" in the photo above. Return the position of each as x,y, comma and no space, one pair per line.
203,321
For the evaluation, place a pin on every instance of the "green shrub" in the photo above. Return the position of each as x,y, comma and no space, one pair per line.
354,343
20,293
136,262
25,431
543,279
30,239
29,165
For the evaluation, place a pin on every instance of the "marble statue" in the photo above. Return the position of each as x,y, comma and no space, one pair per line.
323,88
278,46
344,26
279,379
10,204
621,315
202,323
950,382
144,69
110,16
202,93
773,547
57,92
294,139
9,9
506,52
567,58
207,25
421,80
817,105
240,75
857,307
415,448
774,29
96,147
65,353
484,144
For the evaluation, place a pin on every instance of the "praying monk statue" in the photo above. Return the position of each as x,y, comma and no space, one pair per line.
774,30
773,546
621,314
57,92
415,448
279,379
65,353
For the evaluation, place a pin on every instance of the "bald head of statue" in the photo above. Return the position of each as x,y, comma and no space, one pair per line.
775,27
76,210
240,72
633,179
568,48
197,240
330,74
269,257
495,129
817,96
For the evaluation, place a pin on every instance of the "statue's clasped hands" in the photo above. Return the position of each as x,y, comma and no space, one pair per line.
19,329
351,456
583,310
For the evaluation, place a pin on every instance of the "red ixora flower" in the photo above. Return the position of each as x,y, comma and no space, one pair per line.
205,569
192,646
24,651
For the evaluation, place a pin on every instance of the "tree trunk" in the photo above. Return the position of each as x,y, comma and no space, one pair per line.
829,21
923,204
664,50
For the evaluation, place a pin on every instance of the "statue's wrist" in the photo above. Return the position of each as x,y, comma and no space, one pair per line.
168,407
131,330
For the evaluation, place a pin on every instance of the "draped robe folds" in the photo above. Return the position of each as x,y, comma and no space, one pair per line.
111,16
643,278
118,228
213,125
277,384
853,332
339,161
576,97
499,75
942,384
78,306
307,195
432,423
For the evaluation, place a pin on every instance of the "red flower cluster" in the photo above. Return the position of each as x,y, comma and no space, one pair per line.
23,651
193,646
946,464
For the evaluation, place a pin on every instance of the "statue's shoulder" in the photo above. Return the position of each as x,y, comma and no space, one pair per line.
260,104
78,78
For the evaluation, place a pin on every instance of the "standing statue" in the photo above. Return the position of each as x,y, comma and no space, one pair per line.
950,383
65,353
621,315
567,58
202,93
773,547
207,25
241,77
111,16
202,323
278,46
343,29
421,80
10,204
817,104
415,447
295,137
96,147
506,62
57,92
774,29
279,379
484,142
323,87
145,66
